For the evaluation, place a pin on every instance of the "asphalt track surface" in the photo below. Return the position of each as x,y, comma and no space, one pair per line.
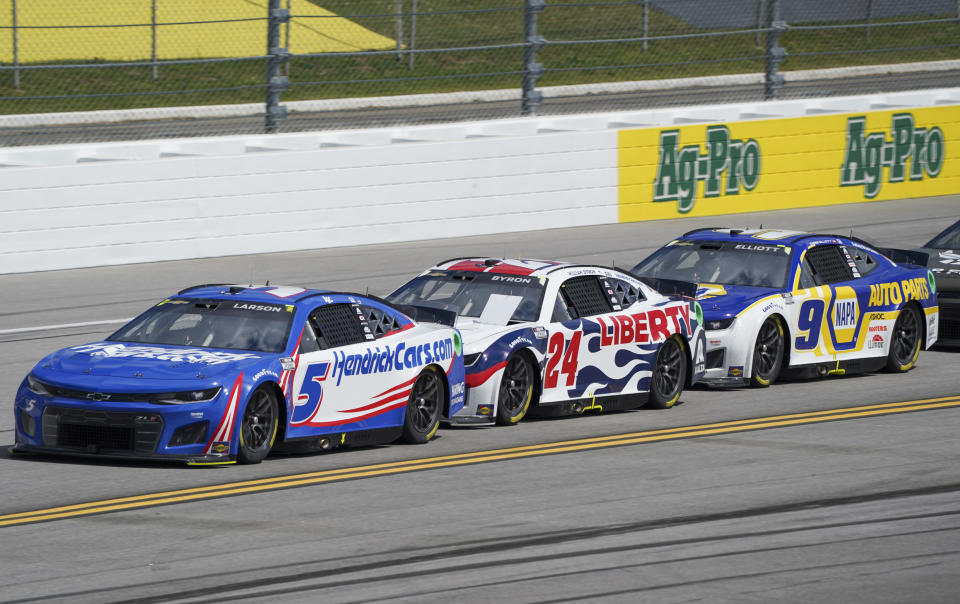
836,490
374,117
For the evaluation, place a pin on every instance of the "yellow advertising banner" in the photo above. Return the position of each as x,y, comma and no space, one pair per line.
710,169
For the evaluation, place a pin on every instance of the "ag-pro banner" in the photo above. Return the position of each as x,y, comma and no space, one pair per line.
709,169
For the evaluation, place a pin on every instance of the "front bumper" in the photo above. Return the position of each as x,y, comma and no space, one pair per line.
726,359
62,426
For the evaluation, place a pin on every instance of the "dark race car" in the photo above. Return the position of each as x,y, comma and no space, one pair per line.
943,258
221,374
801,303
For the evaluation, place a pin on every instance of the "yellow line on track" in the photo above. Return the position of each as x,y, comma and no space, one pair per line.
385,469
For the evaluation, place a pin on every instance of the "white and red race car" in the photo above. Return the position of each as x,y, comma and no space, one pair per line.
556,338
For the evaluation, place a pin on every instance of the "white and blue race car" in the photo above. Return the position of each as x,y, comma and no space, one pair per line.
803,304
222,374
555,338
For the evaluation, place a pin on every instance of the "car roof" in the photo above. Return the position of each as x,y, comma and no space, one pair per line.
760,236
501,266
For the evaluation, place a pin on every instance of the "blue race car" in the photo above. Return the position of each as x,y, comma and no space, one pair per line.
806,304
221,374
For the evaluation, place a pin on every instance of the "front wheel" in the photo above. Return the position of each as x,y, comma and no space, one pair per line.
258,428
905,345
516,391
668,376
767,354
422,416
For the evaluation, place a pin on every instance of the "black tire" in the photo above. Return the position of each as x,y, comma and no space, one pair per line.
516,391
422,416
669,375
258,427
767,354
905,343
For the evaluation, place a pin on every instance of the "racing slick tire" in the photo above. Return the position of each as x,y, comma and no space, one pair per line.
422,416
905,343
669,374
258,428
767,354
516,390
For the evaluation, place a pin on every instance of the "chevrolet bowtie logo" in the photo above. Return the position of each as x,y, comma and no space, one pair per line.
98,396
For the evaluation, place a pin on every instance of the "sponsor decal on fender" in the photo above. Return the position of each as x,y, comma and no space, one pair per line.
390,358
896,292
653,325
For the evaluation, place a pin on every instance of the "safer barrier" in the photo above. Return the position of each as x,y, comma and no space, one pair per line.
89,205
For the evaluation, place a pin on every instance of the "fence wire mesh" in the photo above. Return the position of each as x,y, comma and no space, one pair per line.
230,66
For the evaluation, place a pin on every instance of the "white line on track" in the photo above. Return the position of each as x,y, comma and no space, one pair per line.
62,326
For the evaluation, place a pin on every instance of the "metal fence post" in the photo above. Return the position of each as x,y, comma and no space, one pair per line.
16,50
153,38
869,16
413,33
646,22
531,69
277,56
399,30
761,20
775,54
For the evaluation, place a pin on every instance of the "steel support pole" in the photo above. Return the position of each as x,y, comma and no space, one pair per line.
16,49
646,23
277,56
775,54
531,69
413,34
399,30
153,40
869,17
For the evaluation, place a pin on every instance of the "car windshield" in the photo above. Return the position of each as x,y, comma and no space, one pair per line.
230,324
498,299
721,262
947,240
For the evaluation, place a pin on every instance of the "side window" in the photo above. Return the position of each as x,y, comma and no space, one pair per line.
337,325
379,321
584,297
806,276
863,261
308,339
827,264
621,293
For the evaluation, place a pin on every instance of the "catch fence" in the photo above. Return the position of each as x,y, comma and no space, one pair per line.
90,70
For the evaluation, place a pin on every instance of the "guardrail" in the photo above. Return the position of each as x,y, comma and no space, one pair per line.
114,203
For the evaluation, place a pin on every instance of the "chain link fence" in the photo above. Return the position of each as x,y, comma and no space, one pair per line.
90,70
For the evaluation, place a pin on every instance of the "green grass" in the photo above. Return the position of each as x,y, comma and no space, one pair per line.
317,78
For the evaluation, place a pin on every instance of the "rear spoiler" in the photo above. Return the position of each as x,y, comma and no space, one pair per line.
671,287
905,256
428,314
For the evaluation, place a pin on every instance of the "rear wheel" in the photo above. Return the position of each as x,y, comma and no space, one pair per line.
258,428
516,391
422,416
905,345
767,354
668,376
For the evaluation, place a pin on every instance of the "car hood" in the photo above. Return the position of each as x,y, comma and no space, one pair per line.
478,336
721,301
945,265
142,362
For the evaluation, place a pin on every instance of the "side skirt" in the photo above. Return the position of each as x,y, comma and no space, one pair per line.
336,440
600,404
815,370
